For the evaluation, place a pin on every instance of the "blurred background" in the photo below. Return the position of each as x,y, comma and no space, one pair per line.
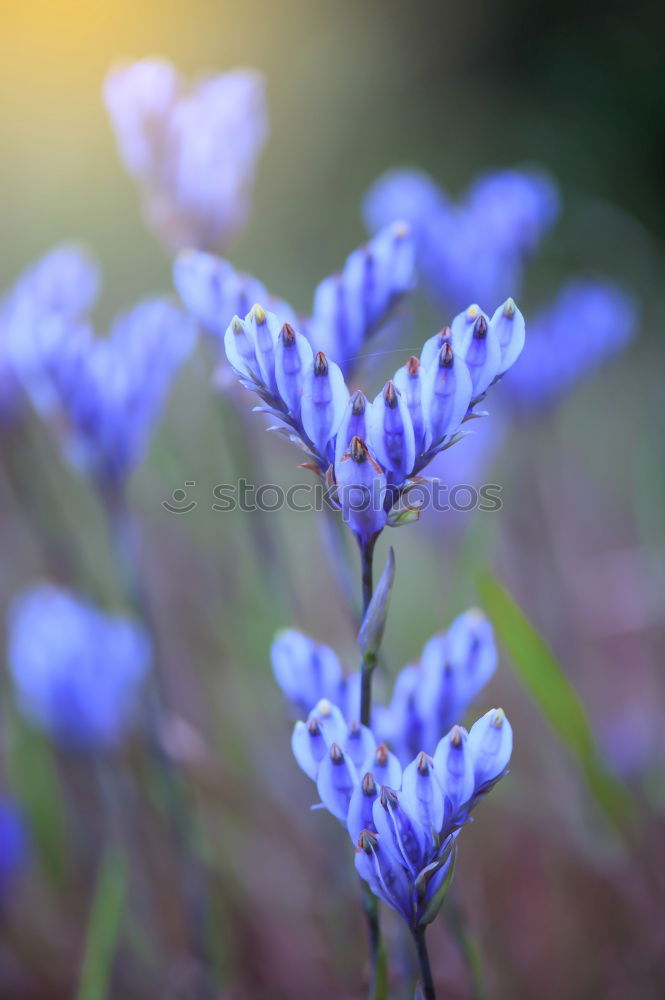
556,898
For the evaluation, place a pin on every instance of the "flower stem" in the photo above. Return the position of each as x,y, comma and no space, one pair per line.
378,987
426,981
368,664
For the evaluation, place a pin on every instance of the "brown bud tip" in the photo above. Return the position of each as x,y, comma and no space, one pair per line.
367,841
288,335
358,403
354,729
413,366
390,394
313,727
456,737
358,450
497,718
445,335
320,364
237,325
480,328
381,755
388,797
336,754
446,357
369,785
423,763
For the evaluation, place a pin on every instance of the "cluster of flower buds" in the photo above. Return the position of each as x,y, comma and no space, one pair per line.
403,822
193,149
428,697
348,307
76,670
104,394
63,283
475,248
588,323
372,453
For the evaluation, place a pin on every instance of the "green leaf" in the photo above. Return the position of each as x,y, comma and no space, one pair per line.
371,630
539,672
104,926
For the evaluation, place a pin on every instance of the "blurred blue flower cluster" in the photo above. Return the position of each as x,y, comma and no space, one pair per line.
192,148
348,307
475,249
76,670
372,452
428,698
14,844
404,821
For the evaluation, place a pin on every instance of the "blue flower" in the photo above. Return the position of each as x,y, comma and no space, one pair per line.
348,308
105,394
405,428
428,697
587,323
63,283
13,844
192,148
475,248
76,671
405,824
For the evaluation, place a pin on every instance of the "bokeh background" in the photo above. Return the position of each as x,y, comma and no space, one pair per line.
553,901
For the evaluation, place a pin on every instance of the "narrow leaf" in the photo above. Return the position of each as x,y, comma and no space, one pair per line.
104,926
371,630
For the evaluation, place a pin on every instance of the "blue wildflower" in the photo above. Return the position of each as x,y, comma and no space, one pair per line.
475,248
406,824
314,408
76,670
63,283
348,307
105,394
192,148
587,323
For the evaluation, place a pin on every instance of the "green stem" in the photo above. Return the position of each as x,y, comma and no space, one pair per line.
368,663
378,986
426,981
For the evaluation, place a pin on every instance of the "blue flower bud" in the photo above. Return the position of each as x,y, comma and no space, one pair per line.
400,832
386,877
384,767
241,349
332,722
293,356
454,768
447,391
360,743
361,488
481,351
360,816
432,347
309,746
263,329
391,432
336,781
324,399
508,326
422,795
355,423
305,670
491,744
464,323
409,382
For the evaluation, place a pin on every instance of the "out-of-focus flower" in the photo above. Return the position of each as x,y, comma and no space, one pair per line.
63,283
105,394
192,148
405,823
428,697
587,323
308,397
13,844
76,670
474,249
348,306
